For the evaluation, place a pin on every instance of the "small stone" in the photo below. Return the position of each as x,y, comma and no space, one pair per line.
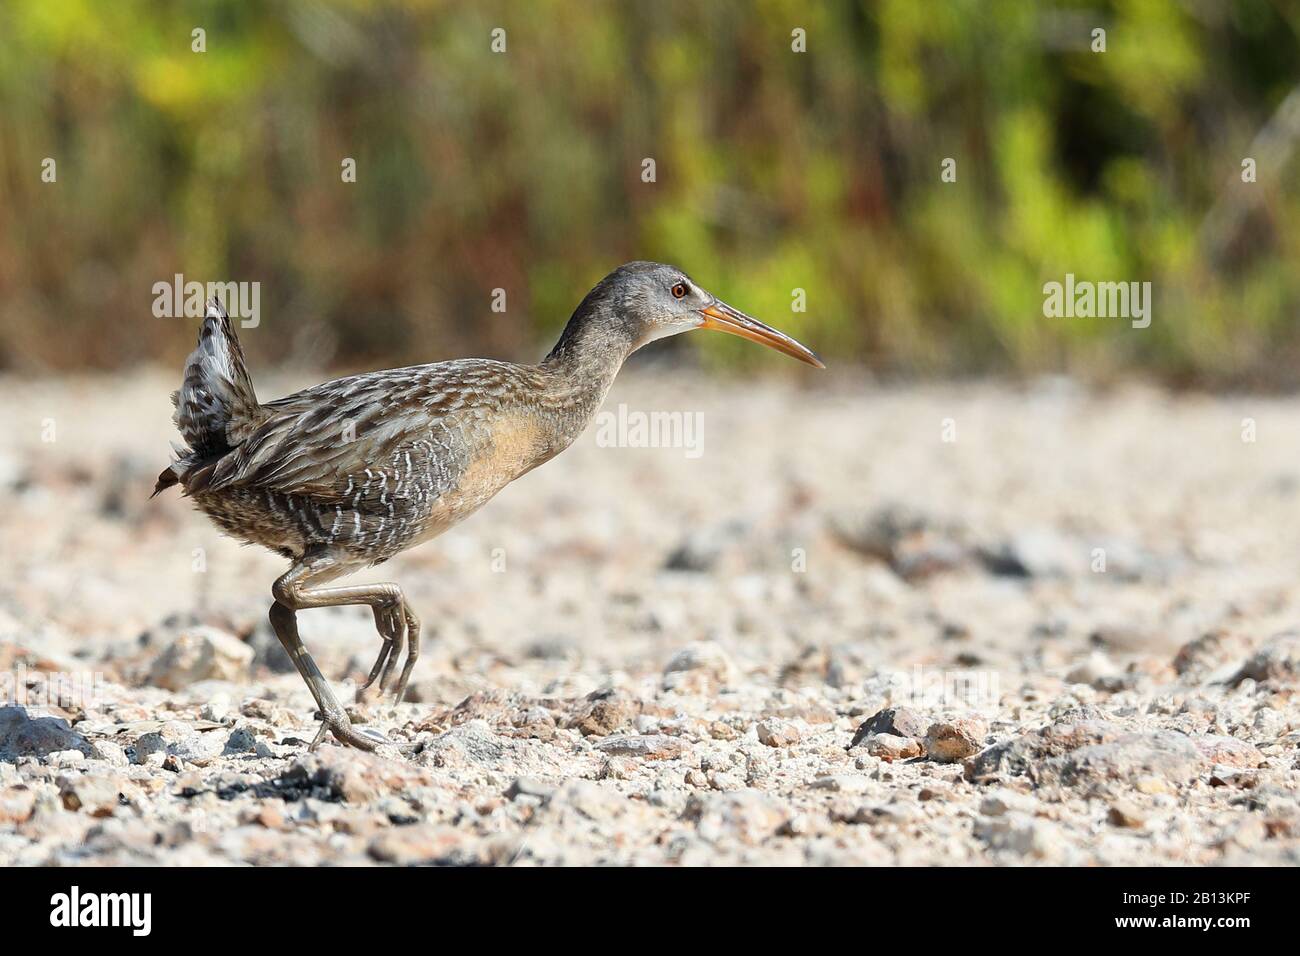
1277,661
616,768
700,668
1124,814
605,714
950,741
1097,671
1208,652
95,796
891,747
113,753
201,653
415,844
1228,751
17,804
720,731
841,783
530,787
776,732
242,740
534,723
66,758
643,746
724,780
217,709
200,749
898,721
270,816
472,743
1004,802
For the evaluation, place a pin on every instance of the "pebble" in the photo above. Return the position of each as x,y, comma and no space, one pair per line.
890,747
1097,671
950,741
701,668
201,653
605,714
1124,814
642,746
897,721
1277,661
775,732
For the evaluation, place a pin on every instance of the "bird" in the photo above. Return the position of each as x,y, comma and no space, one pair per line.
346,474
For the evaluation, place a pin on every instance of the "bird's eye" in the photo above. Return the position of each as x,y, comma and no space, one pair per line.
679,290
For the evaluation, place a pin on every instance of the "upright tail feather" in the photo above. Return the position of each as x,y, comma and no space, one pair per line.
216,407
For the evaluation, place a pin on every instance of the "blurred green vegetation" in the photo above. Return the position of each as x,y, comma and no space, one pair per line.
775,170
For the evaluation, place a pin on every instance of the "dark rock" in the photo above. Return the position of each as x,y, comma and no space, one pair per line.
1277,661
23,735
899,721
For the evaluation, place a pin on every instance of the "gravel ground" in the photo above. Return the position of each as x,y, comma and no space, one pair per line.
824,634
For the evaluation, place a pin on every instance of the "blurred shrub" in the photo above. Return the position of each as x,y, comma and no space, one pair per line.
775,171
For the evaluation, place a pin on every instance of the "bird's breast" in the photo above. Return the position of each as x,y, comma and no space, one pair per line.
502,449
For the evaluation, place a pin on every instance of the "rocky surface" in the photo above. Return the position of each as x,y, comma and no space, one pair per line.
1068,637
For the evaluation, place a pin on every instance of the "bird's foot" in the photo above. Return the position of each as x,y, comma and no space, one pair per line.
399,628
363,738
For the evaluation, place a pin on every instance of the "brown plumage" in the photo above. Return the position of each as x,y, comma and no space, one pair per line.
350,472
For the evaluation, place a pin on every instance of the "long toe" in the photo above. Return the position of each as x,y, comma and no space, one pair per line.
365,738
375,671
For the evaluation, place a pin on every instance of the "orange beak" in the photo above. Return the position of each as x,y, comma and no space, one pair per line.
724,318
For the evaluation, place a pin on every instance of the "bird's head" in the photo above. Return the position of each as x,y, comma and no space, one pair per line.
643,301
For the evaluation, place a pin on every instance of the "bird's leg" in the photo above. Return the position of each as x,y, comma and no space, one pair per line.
333,717
392,618
292,594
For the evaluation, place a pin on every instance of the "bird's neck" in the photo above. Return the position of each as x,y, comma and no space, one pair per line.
582,367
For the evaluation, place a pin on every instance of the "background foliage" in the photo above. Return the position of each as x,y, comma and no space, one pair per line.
775,171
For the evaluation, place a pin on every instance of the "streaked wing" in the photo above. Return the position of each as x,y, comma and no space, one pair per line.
320,441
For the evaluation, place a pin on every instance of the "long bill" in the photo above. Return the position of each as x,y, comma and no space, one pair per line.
724,318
